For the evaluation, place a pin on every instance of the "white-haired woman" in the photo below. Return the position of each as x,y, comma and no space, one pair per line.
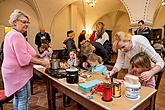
19,56
129,45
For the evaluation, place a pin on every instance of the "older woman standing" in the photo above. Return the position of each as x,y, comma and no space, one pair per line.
19,56
129,45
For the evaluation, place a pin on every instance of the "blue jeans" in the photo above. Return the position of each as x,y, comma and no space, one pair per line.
20,101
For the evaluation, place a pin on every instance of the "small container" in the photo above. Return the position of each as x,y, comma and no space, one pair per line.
72,75
132,90
54,63
116,90
107,92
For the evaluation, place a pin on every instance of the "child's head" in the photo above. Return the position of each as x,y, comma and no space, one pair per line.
72,54
140,62
63,64
94,59
87,48
70,34
43,47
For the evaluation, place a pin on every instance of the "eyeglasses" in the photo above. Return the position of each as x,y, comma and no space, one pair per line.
24,22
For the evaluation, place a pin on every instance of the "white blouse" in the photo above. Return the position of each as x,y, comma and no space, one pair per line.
140,44
105,37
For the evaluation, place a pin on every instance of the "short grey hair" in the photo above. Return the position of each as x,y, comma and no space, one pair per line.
15,15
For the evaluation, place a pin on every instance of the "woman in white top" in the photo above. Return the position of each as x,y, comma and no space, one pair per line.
101,35
129,45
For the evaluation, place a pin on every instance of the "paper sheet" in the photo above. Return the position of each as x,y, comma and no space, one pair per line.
38,66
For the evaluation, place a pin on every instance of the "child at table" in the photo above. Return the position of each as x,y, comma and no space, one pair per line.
73,60
63,64
141,63
96,64
45,52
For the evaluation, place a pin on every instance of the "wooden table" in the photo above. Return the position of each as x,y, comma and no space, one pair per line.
147,95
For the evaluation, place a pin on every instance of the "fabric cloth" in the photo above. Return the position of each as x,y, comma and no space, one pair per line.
100,68
20,101
2,96
104,38
16,67
108,46
46,54
91,38
139,44
145,32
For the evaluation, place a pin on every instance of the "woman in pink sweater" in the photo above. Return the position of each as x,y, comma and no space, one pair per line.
19,56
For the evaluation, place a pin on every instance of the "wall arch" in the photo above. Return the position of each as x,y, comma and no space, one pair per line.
9,6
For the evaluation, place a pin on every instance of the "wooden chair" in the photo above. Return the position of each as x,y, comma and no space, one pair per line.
4,99
158,77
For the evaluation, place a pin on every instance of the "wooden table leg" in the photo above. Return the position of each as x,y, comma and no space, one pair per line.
51,92
48,94
153,99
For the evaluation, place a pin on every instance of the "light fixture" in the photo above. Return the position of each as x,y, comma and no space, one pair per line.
163,2
91,3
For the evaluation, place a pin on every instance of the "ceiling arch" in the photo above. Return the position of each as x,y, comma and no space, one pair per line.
117,14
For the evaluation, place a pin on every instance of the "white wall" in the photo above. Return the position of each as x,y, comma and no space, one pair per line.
63,23
116,21
8,6
66,19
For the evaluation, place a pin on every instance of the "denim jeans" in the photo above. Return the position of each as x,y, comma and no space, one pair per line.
20,101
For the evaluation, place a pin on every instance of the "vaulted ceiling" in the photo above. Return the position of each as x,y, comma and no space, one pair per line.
43,7
57,16
52,8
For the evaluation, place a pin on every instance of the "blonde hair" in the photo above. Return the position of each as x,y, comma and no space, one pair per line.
15,15
93,57
141,60
120,36
70,33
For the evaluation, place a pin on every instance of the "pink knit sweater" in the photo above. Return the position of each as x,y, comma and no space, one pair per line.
16,68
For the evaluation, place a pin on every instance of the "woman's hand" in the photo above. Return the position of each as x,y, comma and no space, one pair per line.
64,46
45,63
78,49
146,75
108,74
85,65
